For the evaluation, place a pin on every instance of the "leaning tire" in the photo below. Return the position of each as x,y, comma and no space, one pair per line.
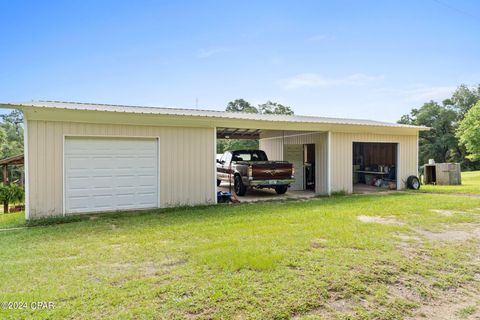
218,182
413,183
281,189
239,187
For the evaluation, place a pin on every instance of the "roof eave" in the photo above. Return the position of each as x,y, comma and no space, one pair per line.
220,116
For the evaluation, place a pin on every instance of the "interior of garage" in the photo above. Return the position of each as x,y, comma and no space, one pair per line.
303,158
301,155
374,166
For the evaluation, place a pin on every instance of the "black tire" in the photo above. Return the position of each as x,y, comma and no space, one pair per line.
239,187
281,189
218,182
413,183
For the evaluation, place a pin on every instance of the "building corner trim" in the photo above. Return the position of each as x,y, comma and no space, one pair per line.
329,163
25,166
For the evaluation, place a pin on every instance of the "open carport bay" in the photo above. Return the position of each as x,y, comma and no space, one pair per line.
305,150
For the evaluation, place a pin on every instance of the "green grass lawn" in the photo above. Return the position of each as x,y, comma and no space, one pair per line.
470,185
294,259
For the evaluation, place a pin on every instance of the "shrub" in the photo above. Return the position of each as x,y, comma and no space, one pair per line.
11,193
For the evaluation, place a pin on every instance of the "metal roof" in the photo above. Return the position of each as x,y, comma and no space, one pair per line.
203,113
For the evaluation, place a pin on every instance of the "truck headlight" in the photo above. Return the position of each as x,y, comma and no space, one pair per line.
293,172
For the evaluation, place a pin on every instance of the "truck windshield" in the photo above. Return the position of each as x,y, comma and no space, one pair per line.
249,155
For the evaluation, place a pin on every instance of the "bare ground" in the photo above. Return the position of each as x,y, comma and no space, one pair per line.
460,303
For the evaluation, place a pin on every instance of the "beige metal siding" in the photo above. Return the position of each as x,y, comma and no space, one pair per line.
272,141
341,157
186,161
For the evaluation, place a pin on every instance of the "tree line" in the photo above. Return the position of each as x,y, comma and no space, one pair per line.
241,105
455,128
11,144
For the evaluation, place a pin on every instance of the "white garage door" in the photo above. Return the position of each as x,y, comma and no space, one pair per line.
104,174
294,153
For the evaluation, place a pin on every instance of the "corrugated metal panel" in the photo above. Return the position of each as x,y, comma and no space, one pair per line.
200,113
186,162
341,157
272,141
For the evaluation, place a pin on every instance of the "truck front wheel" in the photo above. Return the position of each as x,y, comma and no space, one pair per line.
281,189
239,187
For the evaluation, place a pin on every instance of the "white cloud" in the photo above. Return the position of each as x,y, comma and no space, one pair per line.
313,80
432,93
207,53
421,93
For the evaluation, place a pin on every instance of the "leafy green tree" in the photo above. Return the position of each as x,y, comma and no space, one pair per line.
463,99
240,105
469,132
15,118
10,193
440,142
270,107
11,134
235,144
11,140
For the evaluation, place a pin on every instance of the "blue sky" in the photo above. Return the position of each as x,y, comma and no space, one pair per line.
358,59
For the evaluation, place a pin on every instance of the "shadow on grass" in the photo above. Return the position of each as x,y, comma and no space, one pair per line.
192,214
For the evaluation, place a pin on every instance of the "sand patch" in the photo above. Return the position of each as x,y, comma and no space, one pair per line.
342,305
332,309
381,220
450,235
399,290
405,237
447,213
455,304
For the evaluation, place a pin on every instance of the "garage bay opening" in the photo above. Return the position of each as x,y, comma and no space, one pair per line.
374,166
255,164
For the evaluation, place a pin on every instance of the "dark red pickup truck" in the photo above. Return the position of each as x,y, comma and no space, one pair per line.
251,169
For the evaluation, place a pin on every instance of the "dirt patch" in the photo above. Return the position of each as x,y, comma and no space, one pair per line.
318,243
450,235
10,229
453,304
173,262
405,237
121,265
342,305
149,269
400,290
412,247
447,213
381,220
332,309
476,277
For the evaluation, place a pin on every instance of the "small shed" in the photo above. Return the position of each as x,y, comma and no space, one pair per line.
443,174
